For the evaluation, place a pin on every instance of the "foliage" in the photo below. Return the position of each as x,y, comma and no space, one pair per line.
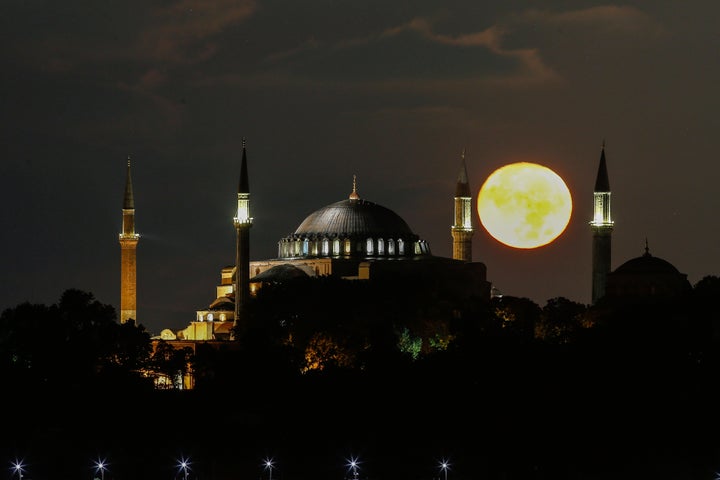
560,321
74,342
170,363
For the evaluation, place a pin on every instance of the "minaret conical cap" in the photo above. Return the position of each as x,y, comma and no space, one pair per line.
128,201
602,183
462,188
243,186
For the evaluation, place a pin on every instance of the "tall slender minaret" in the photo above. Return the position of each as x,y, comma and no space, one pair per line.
462,229
128,257
602,227
242,222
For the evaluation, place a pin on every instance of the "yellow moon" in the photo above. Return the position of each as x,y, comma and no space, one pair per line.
524,205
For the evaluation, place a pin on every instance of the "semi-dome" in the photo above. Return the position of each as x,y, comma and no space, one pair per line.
353,227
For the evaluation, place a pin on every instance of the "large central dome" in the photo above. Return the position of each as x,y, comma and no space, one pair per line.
354,217
352,228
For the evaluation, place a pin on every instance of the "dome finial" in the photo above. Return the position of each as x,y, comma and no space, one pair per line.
647,248
354,195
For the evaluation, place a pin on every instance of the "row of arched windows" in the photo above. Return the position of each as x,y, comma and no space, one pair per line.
326,247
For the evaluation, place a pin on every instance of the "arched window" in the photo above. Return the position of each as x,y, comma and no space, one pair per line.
401,246
391,246
210,317
369,246
305,246
348,246
336,247
325,246
381,246
222,317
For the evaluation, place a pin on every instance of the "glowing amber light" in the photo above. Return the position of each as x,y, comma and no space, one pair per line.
524,205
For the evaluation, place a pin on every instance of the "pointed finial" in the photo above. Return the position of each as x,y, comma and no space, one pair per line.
603,145
647,248
354,195
129,201
462,155
243,142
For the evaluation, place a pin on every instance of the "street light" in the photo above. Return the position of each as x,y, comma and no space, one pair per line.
101,466
444,466
353,464
184,466
268,462
18,467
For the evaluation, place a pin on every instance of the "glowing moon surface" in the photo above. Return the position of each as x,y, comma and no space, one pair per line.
524,205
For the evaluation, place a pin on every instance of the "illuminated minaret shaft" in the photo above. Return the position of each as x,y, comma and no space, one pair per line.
128,255
462,229
602,227
242,222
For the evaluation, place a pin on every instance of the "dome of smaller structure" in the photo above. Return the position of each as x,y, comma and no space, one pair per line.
223,303
646,276
647,264
280,273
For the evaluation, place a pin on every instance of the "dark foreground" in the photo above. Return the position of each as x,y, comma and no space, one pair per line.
521,422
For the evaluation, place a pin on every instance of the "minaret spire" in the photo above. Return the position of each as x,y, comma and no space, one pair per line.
243,222
129,201
602,227
128,254
462,229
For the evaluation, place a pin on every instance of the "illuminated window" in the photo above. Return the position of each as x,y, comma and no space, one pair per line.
210,317
325,246
401,246
222,317
348,247
381,246
369,246
467,214
305,246
336,246
391,247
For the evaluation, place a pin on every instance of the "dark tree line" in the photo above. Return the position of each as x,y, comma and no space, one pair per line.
322,325
434,367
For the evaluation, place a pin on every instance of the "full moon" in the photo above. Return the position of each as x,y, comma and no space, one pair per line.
524,205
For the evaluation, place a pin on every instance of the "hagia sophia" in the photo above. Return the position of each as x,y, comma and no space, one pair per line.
356,239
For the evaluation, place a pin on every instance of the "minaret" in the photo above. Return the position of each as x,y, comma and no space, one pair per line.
242,222
462,229
602,227
128,258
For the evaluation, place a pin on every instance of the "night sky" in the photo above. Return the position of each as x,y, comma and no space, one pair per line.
389,91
